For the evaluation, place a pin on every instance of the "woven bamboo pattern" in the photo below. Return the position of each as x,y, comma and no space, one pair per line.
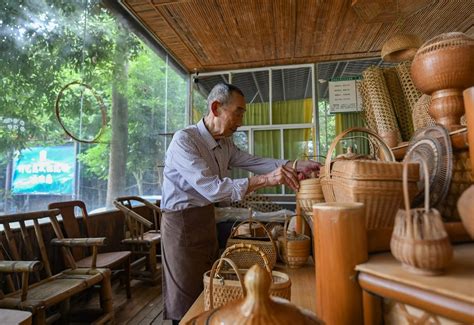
462,178
367,113
378,99
227,284
294,248
400,105
377,184
400,47
421,118
245,260
259,203
412,94
419,239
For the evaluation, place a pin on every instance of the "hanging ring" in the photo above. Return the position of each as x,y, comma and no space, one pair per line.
101,106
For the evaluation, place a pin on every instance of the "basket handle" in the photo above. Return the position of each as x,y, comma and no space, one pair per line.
388,154
214,270
242,247
250,221
406,197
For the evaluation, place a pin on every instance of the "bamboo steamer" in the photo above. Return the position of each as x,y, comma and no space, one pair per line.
419,239
257,307
294,248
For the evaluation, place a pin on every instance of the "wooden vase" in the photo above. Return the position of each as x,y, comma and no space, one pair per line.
443,68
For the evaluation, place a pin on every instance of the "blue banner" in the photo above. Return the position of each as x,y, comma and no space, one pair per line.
44,170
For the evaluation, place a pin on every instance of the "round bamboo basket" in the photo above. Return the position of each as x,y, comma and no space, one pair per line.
294,248
400,47
419,239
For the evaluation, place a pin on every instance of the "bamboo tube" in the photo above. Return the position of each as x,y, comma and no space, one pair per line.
340,243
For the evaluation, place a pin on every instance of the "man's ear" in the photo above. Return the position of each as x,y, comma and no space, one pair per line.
214,108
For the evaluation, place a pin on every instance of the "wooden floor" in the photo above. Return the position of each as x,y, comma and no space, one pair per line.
145,306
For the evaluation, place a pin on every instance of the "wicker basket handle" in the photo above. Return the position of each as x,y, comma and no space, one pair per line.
242,247
250,221
406,196
388,154
214,270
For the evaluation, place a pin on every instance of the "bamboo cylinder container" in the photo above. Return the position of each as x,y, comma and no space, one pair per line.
339,230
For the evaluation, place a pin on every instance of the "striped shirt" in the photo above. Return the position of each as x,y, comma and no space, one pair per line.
197,169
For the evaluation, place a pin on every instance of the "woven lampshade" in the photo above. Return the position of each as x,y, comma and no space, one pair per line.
400,47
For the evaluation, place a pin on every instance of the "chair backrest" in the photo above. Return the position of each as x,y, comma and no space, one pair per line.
26,244
135,224
71,224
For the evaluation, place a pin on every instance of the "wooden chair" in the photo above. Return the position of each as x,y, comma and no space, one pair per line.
144,244
28,282
118,262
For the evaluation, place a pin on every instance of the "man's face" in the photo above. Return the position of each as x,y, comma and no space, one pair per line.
232,114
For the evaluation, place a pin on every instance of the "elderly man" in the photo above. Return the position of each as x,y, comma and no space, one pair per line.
196,171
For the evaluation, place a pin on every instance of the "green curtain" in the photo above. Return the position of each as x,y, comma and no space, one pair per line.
356,140
267,144
257,114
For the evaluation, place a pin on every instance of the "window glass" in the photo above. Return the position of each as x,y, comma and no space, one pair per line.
46,45
268,144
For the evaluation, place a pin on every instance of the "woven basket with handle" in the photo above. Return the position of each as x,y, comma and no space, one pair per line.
294,248
377,184
266,244
224,285
419,239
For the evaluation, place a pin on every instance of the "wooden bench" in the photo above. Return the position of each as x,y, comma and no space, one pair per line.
28,282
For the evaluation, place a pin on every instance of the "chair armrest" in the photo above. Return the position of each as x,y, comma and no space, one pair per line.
72,242
20,266
133,214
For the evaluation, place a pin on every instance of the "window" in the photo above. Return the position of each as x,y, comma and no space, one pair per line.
279,121
48,44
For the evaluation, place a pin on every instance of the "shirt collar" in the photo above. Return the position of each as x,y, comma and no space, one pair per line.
206,135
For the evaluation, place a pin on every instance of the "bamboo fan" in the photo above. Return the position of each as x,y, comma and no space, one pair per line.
431,145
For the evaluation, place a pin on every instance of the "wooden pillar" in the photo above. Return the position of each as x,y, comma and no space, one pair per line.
469,108
340,243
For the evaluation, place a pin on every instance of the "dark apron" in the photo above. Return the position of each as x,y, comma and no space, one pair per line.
189,247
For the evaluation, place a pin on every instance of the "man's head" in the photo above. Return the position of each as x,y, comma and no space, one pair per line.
226,105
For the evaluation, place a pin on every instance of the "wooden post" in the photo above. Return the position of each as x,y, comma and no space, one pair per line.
340,243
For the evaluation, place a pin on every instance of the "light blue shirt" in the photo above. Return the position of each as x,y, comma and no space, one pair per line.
197,169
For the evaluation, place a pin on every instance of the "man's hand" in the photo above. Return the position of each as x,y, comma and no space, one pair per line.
306,168
283,175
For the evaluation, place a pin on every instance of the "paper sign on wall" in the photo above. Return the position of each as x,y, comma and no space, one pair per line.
344,97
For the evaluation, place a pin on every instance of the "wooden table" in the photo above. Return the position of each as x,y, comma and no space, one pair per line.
303,290
450,295
11,316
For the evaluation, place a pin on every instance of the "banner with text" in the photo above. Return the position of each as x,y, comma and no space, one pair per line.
44,170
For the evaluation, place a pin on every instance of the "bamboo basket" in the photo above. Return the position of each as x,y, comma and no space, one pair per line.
266,244
377,97
419,239
294,248
227,284
377,184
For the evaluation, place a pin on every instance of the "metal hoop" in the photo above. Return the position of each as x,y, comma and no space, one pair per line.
101,106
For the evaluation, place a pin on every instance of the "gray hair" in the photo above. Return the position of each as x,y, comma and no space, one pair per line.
222,92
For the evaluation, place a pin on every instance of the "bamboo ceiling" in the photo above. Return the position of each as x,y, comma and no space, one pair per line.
213,35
